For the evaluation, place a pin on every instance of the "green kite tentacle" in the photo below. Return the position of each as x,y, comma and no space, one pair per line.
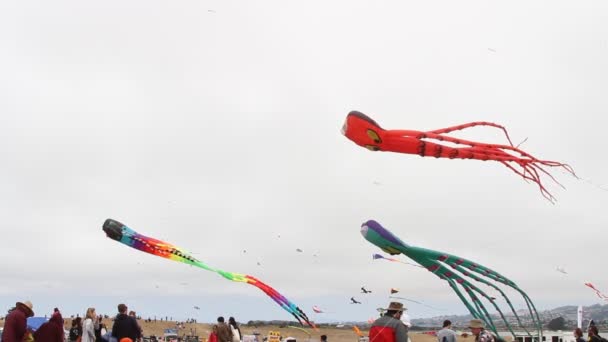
481,280
445,274
487,272
475,313
471,291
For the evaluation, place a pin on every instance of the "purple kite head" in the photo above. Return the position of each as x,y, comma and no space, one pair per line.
373,232
377,256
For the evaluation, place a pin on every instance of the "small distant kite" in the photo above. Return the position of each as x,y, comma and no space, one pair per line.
299,250
197,308
354,301
561,270
127,236
364,290
317,309
394,290
380,256
365,132
597,292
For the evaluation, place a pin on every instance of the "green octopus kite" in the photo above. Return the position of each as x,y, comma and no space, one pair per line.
438,263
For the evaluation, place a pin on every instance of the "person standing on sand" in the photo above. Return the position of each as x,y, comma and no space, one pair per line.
51,331
213,335
236,331
100,328
15,323
578,335
88,326
224,334
389,327
446,334
141,331
125,326
592,332
75,330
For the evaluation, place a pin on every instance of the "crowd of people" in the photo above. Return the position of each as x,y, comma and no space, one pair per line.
90,329
388,328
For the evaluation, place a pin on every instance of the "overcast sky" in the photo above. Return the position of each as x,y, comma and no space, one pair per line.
215,125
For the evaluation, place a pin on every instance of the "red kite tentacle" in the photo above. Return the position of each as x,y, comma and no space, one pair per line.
546,194
469,125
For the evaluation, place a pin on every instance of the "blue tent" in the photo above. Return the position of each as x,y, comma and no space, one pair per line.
33,323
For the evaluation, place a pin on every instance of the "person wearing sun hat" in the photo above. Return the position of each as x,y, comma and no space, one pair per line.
389,327
15,324
477,327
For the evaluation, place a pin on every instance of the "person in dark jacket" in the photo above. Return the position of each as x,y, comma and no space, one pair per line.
15,323
389,327
100,329
51,331
134,315
125,326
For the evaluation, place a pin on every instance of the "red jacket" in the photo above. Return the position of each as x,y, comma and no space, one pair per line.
388,329
15,325
51,331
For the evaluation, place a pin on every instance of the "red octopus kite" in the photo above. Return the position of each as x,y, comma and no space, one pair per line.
365,132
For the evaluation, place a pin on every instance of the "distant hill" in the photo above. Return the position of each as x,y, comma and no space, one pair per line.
598,313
